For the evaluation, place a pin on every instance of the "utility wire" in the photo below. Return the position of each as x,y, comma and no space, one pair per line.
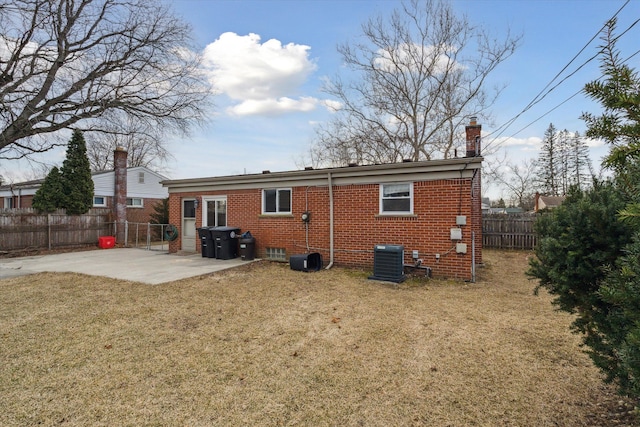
542,94
566,100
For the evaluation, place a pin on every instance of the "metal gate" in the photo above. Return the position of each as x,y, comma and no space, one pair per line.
145,235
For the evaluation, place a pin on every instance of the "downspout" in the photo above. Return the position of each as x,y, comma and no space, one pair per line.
330,223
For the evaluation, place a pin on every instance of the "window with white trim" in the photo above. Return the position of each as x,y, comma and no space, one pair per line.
214,211
396,198
276,201
99,201
134,202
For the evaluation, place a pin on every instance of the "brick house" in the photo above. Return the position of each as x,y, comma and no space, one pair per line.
433,207
142,191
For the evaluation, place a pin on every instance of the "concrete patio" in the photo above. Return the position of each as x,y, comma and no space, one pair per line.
152,267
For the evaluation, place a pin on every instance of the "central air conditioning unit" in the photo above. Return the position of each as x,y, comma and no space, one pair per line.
388,263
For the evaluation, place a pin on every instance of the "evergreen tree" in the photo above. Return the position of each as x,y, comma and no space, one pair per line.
49,196
160,215
579,243
549,163
77,184
587,256
619,94
618,353
563,155
579,162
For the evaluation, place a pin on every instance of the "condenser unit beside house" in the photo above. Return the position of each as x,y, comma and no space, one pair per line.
388,263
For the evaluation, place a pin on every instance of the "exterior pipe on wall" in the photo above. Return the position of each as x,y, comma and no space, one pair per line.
330,222
473,257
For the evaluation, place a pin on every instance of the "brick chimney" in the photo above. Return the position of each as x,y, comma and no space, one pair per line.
473,130
120,192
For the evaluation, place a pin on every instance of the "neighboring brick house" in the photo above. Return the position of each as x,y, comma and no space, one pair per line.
143,191
420,205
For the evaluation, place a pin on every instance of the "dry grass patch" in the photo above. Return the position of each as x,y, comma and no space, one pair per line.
265,345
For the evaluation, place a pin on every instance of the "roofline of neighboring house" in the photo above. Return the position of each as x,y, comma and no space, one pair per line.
22,185
130,170
26,185
392,172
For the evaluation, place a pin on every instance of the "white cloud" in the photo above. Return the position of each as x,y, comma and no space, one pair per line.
595,143
262,78
530,143
272,106
403,58
332,105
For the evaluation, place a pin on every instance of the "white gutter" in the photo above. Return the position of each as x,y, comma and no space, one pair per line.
330,222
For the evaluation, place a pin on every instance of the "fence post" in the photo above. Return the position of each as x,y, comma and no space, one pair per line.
473,257
49,231
148,236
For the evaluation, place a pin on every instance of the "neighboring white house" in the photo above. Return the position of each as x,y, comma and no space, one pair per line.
143,186
143,190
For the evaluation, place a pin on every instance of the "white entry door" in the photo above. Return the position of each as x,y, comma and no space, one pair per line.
189,225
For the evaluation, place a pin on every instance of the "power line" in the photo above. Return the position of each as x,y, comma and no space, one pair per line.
559,83
567,100
542,94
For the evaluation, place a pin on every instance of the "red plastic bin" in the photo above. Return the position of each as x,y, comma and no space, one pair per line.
106,242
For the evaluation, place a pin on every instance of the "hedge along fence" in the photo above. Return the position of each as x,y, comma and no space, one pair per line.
509,231
22,229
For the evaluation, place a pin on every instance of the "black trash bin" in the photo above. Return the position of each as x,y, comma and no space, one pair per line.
226,242
207,244
306,262
247,246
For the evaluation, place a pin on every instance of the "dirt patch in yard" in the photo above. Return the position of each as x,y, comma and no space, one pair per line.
265,345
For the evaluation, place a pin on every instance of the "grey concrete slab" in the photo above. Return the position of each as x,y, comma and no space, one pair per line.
138,265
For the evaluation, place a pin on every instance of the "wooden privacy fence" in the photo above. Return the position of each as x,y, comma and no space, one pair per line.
502,231
26,228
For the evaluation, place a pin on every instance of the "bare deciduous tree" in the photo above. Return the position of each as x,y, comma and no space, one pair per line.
65,63
518,179
418,76
144,144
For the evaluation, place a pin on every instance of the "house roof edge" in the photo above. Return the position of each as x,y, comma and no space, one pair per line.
345,172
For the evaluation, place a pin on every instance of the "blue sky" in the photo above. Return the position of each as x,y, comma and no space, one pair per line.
251,140
268,59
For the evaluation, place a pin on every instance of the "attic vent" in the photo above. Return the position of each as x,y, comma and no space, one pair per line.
388,263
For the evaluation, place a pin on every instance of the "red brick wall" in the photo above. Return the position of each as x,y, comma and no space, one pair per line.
358,227
136,214
120,190
175,218
22,201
